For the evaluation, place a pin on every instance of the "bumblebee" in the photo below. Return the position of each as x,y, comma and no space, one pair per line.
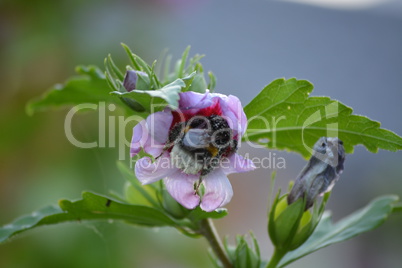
197,145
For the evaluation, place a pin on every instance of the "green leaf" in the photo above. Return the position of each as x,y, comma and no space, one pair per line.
156,100
94,206
212,81
46,215
194,64
166,68
244,255
327,233
89,87
283,116
397,208
198,214
256,246
131,57
188,80
90,207
183,61
111,66
198,84
141,65
135,192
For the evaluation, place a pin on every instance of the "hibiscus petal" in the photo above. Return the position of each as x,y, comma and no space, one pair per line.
149,172
218,191
158,126
140,136
238,164
231,118
234,105
194,101
181,187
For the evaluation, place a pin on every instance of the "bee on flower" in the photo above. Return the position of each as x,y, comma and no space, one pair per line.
193,145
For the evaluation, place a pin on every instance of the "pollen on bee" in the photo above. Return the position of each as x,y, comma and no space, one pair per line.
186,129
213,150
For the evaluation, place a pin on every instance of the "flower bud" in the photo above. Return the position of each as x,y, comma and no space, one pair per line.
130,80
290,225
134,80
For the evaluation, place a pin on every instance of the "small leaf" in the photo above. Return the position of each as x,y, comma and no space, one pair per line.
188,80
244,255
145,67
183,62
198,214
89,87
326,233
155,78
156,100
109,63
194,63
283,116
256,246
131,57
198,84
212,81
141,65
113,83
160,63
91,207
166,68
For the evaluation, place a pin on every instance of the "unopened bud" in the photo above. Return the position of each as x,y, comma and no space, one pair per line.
130,80
289,225
134,80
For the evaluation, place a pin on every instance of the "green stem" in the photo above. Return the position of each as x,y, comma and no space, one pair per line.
276,258
207,229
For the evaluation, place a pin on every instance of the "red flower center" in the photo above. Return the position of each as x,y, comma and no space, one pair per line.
187,114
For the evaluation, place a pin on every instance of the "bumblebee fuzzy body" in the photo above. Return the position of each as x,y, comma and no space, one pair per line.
198,145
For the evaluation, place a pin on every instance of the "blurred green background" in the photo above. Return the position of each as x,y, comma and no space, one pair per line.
351,55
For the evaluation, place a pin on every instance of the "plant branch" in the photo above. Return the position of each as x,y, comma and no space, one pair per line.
207,229
276,258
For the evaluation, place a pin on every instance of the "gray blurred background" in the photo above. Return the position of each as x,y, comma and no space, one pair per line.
350,50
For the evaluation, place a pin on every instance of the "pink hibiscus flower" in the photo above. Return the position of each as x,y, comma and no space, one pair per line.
193,145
